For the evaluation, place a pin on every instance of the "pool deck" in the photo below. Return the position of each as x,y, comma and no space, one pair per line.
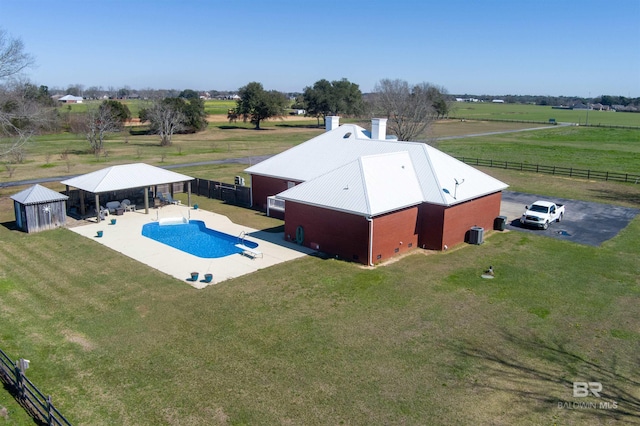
126,237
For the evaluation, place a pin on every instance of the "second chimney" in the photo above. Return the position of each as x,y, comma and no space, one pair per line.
331,122
379,128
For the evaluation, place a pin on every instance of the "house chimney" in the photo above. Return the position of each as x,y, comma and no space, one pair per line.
379,128
331,122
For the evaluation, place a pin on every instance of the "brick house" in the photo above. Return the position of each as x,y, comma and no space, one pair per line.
362,196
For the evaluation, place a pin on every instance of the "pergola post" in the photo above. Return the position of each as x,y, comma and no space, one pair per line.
83,209
146,200
97,207
189,193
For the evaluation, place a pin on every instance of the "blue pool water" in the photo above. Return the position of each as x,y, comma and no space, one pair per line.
195,238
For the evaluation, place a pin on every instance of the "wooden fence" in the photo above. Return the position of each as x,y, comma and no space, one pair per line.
27,394
233,194
554,170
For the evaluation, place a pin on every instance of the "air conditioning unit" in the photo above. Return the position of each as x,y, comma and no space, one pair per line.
476,235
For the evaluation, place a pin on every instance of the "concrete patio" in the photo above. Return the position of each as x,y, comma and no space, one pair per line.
126,237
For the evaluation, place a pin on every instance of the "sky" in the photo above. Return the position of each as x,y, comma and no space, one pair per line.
492,47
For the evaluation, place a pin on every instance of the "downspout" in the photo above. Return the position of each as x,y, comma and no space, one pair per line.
370,220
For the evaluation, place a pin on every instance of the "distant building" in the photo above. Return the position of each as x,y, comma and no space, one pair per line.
70,99
498,101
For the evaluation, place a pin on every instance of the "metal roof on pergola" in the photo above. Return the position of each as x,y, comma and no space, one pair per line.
126,176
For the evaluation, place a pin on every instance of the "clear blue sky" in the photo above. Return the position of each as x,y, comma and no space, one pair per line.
497,47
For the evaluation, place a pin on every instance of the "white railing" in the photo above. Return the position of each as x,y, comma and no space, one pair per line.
275,204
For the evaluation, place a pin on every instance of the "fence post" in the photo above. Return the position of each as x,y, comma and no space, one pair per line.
19,380
50,415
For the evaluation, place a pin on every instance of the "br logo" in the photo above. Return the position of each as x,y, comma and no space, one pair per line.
582,389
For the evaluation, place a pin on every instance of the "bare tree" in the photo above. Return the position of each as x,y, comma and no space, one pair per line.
13,59
16,114
98,123
20,117
410,110
164,120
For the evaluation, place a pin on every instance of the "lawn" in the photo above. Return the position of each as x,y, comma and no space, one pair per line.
540,113
421,340
601,149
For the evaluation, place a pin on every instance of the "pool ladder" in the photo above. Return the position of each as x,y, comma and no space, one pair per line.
241,237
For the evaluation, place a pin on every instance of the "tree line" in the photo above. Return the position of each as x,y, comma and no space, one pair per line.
26,109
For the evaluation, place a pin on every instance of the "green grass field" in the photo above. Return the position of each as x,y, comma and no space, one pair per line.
538,113
422,340
602,149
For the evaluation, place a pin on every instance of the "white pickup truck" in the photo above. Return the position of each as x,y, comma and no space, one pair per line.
542,213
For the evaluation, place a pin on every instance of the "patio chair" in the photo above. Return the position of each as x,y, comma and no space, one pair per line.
126,205
207,278
113,206
168,198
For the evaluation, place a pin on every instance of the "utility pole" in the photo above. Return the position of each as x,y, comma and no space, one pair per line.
586,123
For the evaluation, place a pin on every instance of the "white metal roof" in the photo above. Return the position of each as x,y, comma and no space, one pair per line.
370,185
442,179
125,176
38,194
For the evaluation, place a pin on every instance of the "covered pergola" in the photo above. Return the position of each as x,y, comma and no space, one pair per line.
123,177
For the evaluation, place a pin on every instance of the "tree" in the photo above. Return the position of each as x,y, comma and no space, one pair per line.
75,89
164,120
189,94
107,118
20,113
119,110
332,98
410,110
256,104
13,58
195,115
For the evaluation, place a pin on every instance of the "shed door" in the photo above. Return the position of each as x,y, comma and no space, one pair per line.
18,212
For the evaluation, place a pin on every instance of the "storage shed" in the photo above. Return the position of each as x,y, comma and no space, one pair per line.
38,208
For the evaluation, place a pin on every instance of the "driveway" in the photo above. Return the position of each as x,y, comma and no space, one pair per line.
583,223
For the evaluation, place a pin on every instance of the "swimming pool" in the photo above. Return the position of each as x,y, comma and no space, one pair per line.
195,238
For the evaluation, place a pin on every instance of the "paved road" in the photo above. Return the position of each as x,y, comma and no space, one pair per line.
500,132
584,222
243,160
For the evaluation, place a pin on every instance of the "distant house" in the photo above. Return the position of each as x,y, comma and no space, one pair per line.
362,196
70,99
498,101
580,105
